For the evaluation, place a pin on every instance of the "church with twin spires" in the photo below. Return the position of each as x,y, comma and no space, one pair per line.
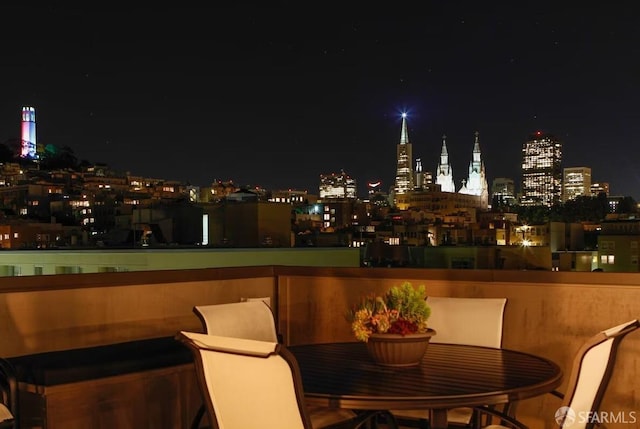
413,186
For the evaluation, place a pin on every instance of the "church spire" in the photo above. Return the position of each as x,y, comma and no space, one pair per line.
477,181
444,155
444,171
476,148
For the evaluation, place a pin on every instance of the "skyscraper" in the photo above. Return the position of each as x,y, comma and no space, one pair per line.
503,191
598,188
576,182
419,174
404,172
541,170
28,145
444,171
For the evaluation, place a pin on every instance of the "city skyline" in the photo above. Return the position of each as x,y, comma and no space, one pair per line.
29,152
277,96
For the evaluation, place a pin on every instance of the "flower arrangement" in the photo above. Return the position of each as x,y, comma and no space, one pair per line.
401,310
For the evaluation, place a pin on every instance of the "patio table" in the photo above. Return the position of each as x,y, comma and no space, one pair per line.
342,375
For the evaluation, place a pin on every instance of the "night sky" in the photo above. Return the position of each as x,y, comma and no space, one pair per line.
276,95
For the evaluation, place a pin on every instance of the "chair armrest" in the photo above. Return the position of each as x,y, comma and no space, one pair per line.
557,394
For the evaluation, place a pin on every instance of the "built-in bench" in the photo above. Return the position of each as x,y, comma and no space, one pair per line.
91,386
72,366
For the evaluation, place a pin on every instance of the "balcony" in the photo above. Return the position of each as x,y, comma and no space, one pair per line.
547,313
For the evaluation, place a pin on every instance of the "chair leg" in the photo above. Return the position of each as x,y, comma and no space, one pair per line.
195,424
389,419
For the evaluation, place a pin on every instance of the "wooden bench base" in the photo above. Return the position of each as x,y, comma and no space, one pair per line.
136,385
161,398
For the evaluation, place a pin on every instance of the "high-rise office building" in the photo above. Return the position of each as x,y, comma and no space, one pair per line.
28,145
423,178
419,174
503,191
599,188
337,186
444,171
404,171
541,170
576,182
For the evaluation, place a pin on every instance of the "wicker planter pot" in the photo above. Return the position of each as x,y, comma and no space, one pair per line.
398,350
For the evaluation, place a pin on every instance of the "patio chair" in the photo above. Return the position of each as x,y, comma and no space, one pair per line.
8,396
470,321
590,374
253,319
249,384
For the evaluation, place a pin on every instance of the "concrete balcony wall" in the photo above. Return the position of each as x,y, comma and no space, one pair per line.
49,313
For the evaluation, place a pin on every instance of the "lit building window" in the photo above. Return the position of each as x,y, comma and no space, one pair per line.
337,186
607,259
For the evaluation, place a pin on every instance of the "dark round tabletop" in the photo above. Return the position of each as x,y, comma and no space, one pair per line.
343,375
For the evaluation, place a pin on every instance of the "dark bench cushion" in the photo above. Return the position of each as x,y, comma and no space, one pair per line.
69,366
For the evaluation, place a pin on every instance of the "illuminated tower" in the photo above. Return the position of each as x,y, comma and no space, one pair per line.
404,173
28,149
476,183
541,170
444,172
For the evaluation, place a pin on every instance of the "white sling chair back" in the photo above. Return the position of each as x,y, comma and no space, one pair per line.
253,319
591,371
590,374
248,384
248,319
470,321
